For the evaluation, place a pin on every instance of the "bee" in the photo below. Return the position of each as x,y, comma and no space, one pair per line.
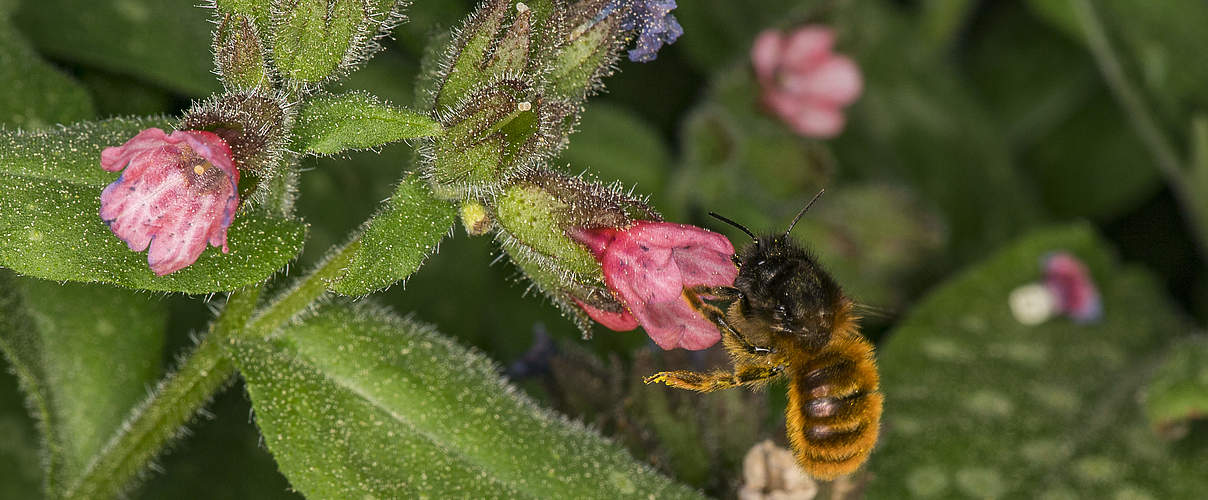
788,318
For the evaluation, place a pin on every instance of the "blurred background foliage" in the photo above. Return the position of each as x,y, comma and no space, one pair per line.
986,137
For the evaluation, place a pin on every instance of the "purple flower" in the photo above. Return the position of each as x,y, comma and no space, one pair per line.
653,22
178,192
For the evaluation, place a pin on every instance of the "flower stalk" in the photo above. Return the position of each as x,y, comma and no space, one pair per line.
158,420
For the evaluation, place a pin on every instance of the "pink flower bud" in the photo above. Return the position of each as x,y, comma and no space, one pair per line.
178,192
647,266
1068,280
803,82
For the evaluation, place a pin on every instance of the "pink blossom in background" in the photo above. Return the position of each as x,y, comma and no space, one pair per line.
1070,283
803,81
178,192
647,266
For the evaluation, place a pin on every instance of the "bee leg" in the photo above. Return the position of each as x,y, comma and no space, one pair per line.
708,382
714,314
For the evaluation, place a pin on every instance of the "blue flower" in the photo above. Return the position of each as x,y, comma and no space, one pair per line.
653,22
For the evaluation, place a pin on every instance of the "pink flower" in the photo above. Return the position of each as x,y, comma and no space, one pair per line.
178,192
647,266
1068,280
803,82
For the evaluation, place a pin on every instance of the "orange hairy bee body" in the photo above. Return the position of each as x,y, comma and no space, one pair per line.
787,318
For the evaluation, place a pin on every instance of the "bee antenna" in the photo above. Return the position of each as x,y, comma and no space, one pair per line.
735,224
802,212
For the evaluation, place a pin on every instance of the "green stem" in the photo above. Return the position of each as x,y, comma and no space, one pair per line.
298,298
1143,122
202,374
158,419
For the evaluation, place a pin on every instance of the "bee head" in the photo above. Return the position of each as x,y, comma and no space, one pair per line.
781,284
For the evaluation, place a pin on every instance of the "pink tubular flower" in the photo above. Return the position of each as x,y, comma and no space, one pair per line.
178,192
647,266
803,82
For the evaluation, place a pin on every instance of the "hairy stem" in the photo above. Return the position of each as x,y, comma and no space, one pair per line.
202,373
1143,122
298,298
170,406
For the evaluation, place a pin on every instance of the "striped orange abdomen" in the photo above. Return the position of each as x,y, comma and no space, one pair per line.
834,411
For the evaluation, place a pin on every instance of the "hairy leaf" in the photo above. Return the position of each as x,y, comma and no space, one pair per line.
980,405
163,41
395,242
86,354
335,123
356,403
50,184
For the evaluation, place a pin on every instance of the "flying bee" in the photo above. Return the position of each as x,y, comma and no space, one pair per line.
788,318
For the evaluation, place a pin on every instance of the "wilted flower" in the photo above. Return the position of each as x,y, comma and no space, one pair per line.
647,266
178,192
803,81
771,472
651,20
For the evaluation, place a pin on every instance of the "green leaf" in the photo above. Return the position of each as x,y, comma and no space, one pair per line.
355,402
395,242
313,37
1178,392
1072,139
334,123
163,41
980,405
50,184
86,354
35,93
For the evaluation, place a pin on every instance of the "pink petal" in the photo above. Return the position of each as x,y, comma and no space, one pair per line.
765,54
647,267
161,202
616,321
114,158
701,266
807,47
639,273
836,80
821,121
675,324
672,235
594,239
